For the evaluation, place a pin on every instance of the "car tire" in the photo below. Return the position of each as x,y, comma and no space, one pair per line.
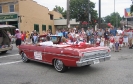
87,65
24,57
59,66
3,52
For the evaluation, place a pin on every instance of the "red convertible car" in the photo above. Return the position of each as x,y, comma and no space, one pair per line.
64,56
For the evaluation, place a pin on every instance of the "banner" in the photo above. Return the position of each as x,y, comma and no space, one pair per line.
127,13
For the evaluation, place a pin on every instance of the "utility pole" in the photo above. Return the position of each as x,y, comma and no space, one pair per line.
132,1
88,12
68,13
99,14
116,17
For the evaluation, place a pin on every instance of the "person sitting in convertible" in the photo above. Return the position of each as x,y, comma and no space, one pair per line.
64,41
48,42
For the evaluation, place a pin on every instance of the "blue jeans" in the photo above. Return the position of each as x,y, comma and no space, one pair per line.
92,41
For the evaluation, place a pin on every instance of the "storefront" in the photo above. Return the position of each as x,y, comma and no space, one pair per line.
9,19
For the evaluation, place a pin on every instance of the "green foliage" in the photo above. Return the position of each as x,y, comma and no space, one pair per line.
60,10
79,10
114,19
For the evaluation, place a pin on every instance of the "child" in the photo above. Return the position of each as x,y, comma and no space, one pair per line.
102,41
117,43
111,39
35,38
121,41
98,41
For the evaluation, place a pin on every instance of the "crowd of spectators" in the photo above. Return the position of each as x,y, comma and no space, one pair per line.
111,37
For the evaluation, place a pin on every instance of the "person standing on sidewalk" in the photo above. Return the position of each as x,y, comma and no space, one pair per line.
18,38
125,38
130,36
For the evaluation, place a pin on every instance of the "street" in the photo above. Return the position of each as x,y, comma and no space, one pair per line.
118,70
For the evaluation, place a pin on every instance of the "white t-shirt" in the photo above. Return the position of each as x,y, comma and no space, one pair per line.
119,32
117,38
47,43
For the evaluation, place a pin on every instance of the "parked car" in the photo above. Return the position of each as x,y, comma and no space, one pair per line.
64,56
5,41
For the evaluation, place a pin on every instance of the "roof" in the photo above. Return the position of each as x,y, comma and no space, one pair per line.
7,26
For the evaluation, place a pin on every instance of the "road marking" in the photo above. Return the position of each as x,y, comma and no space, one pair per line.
9,55
8,63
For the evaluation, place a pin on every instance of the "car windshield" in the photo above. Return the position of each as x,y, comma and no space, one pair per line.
54,39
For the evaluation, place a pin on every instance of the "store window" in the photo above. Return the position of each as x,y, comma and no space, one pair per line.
51,17
50,28
11,7
0,9
36,27
43,27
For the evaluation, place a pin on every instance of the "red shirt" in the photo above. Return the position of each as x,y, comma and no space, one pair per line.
22,37
120,40
112,40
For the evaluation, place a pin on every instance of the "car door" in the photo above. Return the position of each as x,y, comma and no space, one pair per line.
36,53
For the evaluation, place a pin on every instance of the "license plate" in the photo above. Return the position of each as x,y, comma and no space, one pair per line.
96,61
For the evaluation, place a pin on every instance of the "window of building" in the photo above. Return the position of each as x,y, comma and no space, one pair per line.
36,27
51,17
11,7
50,28
0,9
43,27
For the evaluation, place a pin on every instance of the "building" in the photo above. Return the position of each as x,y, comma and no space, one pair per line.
61,23
27,15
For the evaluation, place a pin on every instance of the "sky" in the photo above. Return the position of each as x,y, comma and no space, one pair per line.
107,6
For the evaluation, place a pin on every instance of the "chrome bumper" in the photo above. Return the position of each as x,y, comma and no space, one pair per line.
6,49
91,61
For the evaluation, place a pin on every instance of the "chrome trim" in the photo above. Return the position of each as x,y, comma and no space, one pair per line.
61,55
91,61
40,61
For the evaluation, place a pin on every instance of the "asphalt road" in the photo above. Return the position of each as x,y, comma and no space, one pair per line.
119,70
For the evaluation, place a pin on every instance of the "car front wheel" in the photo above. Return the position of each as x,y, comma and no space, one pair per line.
24,58
59,66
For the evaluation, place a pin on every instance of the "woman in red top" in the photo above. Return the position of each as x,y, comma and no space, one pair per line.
22,36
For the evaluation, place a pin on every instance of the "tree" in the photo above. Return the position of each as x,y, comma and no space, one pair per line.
60,10
114,19
131,9
79,10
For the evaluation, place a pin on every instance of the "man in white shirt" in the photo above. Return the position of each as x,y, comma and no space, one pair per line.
119,31
47,42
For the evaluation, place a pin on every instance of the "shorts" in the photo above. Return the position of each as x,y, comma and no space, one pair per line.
116,44
125,40
18,42
111,45
106,39
102,44
121,45
130,40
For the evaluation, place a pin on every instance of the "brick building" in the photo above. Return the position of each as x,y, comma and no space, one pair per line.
27,15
